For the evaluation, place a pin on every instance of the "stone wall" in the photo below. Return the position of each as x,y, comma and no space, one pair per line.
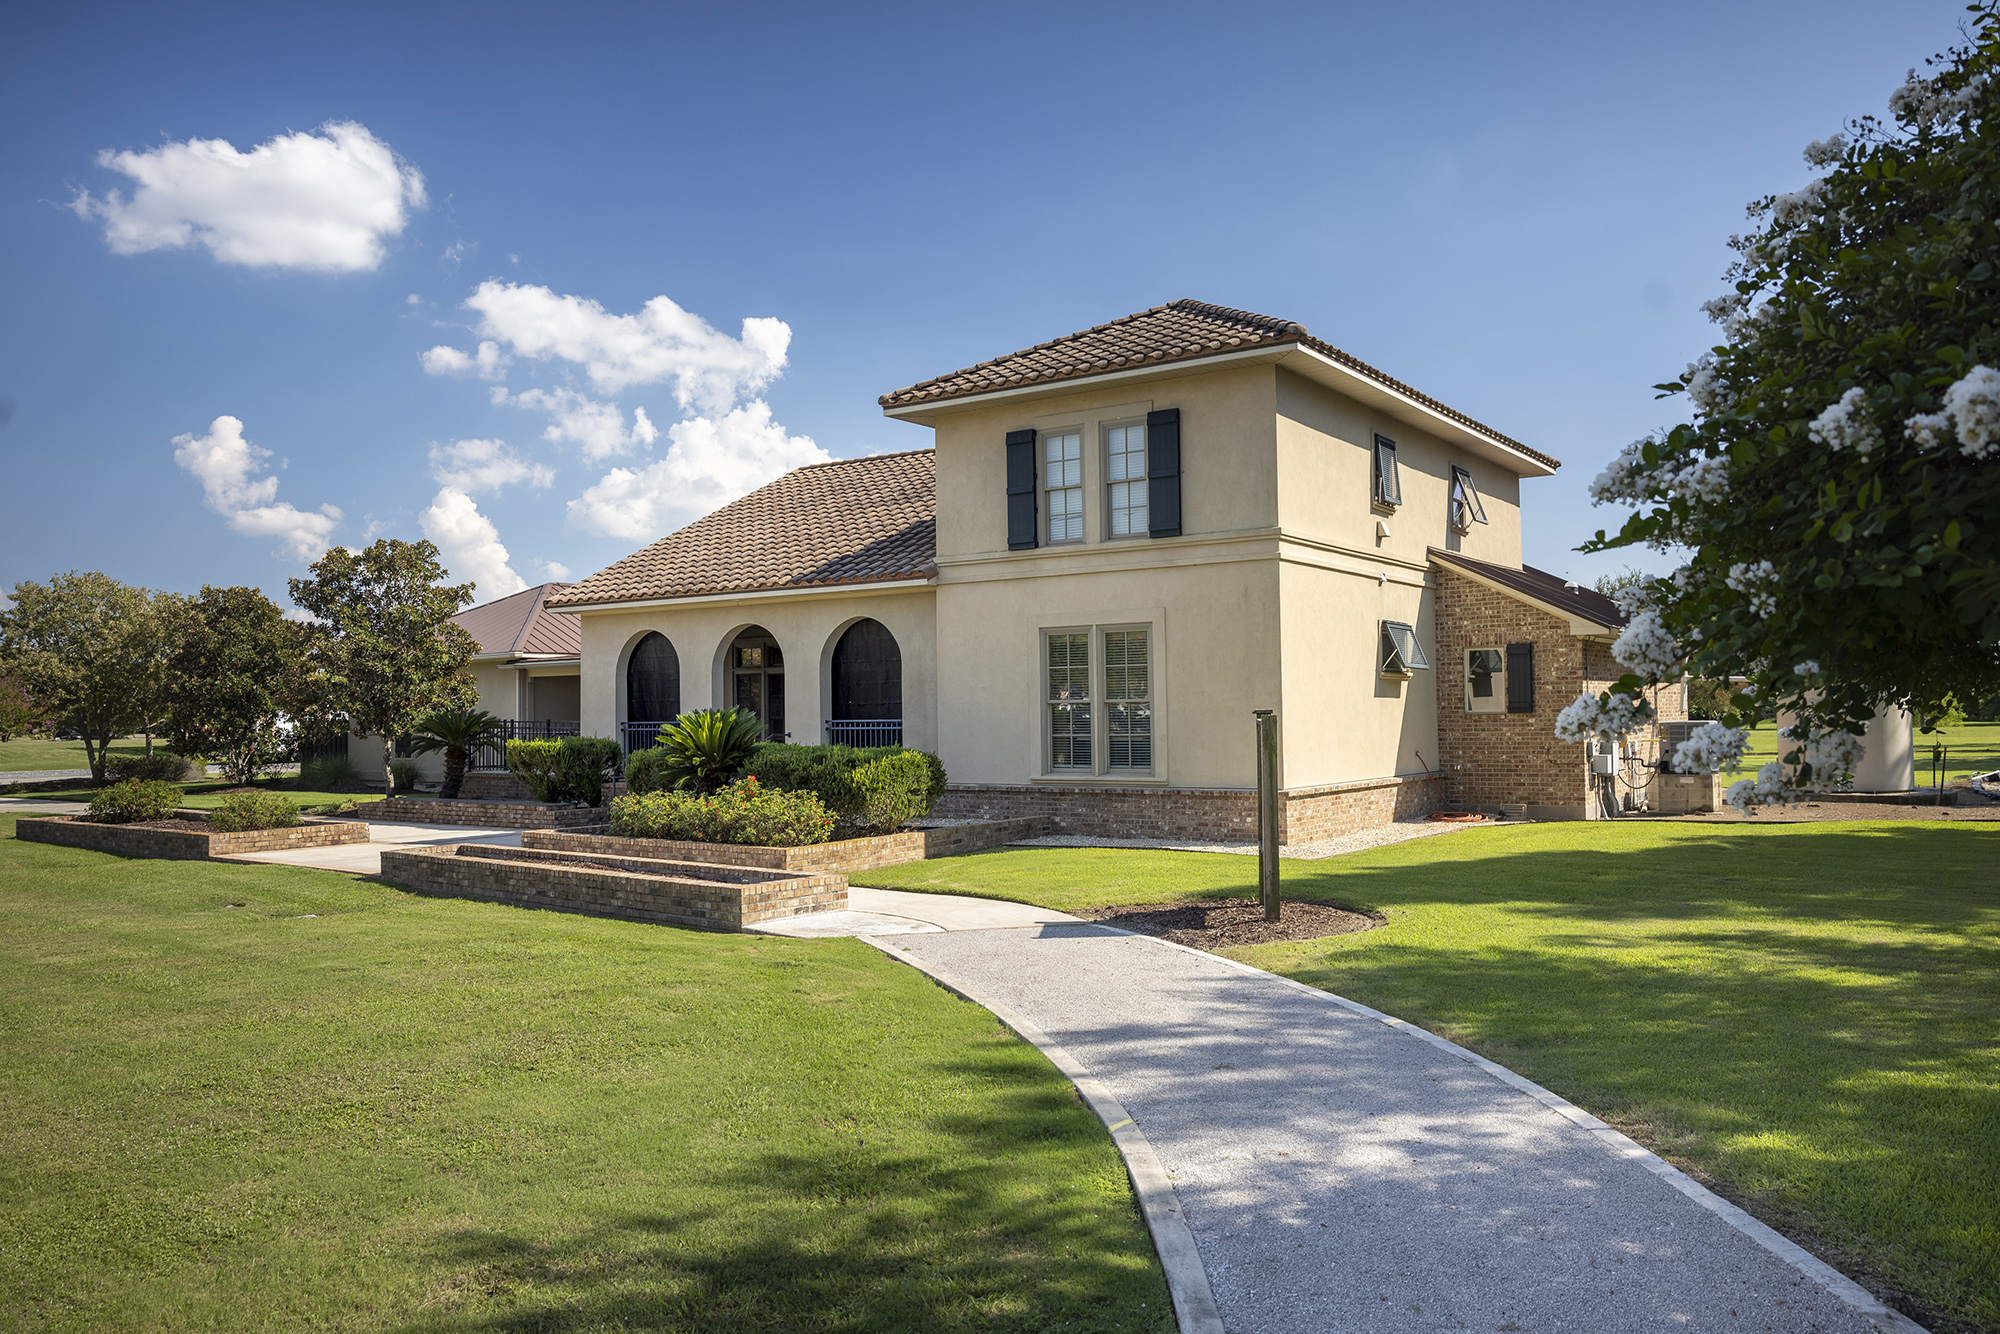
482,814
708,897
841,855
493,785
185,844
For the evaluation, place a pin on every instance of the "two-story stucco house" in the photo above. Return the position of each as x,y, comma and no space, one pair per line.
1121,543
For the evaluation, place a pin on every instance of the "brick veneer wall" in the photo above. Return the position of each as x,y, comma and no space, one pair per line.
185,844
1196,815
492,785
1308,815
846,854
481,814
712,898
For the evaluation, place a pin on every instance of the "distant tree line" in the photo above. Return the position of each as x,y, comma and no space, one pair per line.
226,676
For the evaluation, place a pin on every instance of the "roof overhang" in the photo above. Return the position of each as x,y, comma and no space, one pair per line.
1580,626
1295,357
761,595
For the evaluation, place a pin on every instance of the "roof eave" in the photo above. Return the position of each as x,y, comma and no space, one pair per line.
776,591
927,413
1583,627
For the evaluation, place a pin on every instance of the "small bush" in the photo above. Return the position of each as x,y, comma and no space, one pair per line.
572,769
330,808
329,773
405,774
159,767
646,770
744,812
893,790
253,810
538,764
821,770
131,802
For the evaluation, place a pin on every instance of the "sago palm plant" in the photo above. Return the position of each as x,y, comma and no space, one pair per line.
710,747
455,732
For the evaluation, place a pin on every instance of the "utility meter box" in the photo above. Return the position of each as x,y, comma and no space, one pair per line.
1684,794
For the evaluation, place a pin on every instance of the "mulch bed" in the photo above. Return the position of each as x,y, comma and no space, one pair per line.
1223,923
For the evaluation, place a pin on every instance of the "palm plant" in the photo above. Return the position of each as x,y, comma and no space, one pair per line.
708,748
455,732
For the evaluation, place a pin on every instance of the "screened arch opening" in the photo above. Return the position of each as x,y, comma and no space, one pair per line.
867,687
652,690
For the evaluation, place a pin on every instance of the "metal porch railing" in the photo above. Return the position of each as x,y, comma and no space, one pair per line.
493,754
865,733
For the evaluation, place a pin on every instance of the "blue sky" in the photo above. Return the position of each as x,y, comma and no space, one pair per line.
1517,209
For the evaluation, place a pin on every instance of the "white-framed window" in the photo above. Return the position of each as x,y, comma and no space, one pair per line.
1070,724
1125,479
1485,680
1388,482
1400,652
1128,700
1466,508
1099,700
1062,467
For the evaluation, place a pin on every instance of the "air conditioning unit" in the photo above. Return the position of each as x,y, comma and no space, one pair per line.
1675,733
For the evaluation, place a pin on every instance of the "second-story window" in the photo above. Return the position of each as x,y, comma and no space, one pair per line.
1388,486
1465,507
1125,476
1063,467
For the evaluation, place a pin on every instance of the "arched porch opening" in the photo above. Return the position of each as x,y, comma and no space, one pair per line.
756,679
867,695
652,691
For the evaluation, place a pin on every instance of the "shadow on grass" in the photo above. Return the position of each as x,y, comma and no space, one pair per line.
863,1236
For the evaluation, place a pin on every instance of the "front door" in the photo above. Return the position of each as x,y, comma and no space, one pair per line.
763,693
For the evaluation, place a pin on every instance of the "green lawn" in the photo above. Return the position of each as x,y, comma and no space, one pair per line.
207,796
337,1106
1970,748
24,754
1808,1013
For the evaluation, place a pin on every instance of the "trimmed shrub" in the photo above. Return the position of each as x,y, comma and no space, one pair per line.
159,767
572,769
647,770
405,774
538,764
134,801
820,770
745,812
253,810
893,790
329,773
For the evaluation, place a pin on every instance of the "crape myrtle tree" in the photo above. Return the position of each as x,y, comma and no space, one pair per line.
229,672
383,653
1838,480
86,648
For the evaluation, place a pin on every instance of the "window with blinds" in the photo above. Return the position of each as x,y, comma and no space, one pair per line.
1125,479
1069,716
1062,462
1128,700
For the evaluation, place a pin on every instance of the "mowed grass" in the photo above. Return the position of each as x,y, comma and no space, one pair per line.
337,1106
26,754
207,796
1967,749
1808,1014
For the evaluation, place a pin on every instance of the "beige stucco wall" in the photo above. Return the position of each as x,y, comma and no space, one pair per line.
806,628
1325,470
1341,719
498,689
1228,467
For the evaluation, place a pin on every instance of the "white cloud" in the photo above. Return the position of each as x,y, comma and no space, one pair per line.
224,463
710,462
598,427
413,300
485,465
709,369
322,200
556,570
446,360
470,545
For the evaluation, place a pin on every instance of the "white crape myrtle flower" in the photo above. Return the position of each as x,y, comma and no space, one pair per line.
1833,757
1724,308
1703,478
1768,788
1925,102
1808,669
1705,388
1621,477
1647,647
1611,717
1634,598
1973,404
1798,206
1755,580
1846,425
1928,429
1710,749
1825,152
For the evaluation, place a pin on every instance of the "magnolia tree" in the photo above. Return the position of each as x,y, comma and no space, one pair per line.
1839,478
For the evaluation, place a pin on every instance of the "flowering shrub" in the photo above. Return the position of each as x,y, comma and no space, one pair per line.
139,799
1711,749
743,812
253,810
1835,475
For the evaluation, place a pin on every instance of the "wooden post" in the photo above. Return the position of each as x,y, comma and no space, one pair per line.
1267,811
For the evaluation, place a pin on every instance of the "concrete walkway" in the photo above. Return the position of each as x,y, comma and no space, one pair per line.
366,858
43,775
1343,1171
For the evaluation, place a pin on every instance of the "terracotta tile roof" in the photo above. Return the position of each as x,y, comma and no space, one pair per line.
851,521
522,623
1549,589
1178,331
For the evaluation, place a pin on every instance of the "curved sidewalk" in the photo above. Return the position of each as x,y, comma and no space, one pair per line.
1343,1171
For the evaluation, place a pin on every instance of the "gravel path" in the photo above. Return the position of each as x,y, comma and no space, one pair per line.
1343,1174
1361,840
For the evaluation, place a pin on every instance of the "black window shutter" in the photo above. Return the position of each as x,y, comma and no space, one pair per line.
1163,473
1021,518
1520,678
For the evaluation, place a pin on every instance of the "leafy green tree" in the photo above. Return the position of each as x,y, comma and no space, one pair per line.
1838,481
19,713
83,645
227,676
385,653
455,732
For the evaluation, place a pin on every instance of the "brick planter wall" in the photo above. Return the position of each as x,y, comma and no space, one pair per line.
483,814
1215,815
494,785
1309,815
185,844
708,897
841,855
